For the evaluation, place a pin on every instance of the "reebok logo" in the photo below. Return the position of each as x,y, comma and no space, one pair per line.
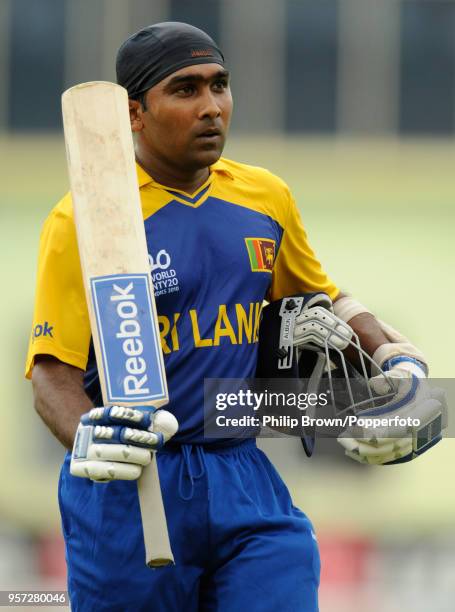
43,330
201,53
129,331
128,338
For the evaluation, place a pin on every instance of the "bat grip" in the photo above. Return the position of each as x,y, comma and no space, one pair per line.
158,552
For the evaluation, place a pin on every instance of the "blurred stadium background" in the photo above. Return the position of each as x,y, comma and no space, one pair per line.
353,103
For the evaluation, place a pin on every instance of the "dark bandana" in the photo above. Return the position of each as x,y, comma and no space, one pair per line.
157,51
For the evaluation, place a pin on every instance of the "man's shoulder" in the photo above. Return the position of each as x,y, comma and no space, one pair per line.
59,224
249,173
63,210
255,188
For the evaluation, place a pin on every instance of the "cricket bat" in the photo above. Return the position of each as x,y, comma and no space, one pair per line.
116,271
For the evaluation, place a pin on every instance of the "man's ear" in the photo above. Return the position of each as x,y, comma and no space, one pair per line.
136,111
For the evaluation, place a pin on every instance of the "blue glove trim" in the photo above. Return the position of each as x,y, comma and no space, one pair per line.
148,413
414,454
160,442
397,404
390,363
155,446
82,442
118,437
86,420
427,433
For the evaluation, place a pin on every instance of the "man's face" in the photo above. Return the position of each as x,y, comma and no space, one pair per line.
187,117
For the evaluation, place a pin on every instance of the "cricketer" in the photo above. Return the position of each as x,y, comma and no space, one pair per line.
222,236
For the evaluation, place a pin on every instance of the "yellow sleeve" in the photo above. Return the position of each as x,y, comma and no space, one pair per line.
60,321
297,269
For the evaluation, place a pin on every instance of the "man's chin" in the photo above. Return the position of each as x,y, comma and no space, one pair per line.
203,159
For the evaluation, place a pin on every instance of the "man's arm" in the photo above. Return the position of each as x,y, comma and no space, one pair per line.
370,334
121,447
381,341
60,399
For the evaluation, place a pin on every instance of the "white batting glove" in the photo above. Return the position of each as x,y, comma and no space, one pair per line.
115,443
414,418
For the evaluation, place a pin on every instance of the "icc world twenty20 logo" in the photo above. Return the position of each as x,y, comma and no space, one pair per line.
164,276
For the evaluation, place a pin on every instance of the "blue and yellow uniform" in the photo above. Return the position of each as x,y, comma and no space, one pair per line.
215,255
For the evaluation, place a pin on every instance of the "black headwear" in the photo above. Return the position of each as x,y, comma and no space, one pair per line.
156,51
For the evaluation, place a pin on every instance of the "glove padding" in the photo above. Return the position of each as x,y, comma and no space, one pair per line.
115,443
318,325
399,440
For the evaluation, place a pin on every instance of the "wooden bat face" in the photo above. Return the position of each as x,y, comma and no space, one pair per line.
112,245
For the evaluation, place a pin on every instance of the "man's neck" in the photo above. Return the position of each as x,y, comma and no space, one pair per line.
186,181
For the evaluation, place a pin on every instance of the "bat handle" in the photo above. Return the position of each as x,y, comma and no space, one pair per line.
158,551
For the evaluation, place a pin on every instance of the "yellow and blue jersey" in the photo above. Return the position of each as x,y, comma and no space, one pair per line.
214,255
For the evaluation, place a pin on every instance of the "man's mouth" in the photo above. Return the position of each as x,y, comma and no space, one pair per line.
209,133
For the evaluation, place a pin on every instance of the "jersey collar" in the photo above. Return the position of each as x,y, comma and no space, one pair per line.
220,167
143,178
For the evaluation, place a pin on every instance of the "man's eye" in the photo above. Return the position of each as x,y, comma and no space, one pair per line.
186,90
221,84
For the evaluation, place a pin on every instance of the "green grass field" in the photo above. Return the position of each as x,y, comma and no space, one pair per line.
380,214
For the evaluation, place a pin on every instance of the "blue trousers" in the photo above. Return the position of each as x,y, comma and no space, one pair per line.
239,543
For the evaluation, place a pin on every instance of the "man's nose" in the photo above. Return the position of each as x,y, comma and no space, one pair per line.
209,106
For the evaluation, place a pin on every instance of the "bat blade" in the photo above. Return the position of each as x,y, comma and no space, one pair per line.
116,271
